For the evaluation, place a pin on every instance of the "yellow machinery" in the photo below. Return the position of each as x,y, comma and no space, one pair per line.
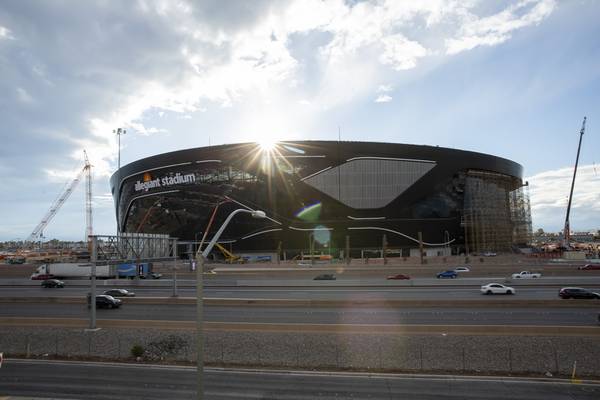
229,256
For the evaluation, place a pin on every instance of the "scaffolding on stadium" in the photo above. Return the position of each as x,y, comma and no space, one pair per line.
496,212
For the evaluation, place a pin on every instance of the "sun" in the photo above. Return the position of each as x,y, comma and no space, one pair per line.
267,144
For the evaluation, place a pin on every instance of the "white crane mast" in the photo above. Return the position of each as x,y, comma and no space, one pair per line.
87,171
567,229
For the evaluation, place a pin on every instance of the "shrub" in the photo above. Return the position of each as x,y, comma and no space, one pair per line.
137,351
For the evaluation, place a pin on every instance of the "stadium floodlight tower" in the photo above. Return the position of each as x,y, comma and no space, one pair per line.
200,257
119,132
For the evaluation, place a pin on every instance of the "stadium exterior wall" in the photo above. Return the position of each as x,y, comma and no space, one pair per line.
320,192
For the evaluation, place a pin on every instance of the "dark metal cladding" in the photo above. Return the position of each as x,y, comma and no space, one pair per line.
323,191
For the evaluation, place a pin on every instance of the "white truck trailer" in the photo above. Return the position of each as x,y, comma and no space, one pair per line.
71,270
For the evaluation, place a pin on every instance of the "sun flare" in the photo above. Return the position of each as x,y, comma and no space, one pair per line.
267,144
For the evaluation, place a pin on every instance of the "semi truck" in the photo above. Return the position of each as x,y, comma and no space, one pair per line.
84,270
71,270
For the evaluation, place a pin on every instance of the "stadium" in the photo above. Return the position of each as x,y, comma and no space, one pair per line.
328,195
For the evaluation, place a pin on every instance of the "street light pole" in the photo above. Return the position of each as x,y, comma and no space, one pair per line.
93,258
200,258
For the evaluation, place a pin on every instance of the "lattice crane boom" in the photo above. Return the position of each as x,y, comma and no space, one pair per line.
85,171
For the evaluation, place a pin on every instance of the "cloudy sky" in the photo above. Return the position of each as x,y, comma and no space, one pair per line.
509,78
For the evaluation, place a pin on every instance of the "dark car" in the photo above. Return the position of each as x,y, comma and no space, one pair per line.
105,301
577,293
587,267
447,274
119,293
53,283
324,277
398,276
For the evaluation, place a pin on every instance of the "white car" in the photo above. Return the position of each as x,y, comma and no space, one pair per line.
496,288
526,275
462,269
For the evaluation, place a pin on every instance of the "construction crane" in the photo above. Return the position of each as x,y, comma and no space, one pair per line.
567,230
229,256
86,172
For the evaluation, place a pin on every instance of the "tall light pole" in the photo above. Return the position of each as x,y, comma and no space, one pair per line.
119,132
200,257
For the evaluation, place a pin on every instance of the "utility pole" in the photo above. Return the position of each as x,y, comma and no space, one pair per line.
384,249
421,246
567,230
347,250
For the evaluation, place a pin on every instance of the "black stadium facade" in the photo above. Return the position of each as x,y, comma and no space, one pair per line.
324,192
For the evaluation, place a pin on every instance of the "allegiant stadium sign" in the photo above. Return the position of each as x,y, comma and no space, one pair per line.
170,180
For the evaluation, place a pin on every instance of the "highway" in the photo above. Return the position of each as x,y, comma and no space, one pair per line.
318,315
322,292
74,380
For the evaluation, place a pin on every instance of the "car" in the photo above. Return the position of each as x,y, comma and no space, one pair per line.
105,301
447,274
489,254
398,276
588,267
41,277
462,269
496,288
324,277
151,275
577,293
53,283
526,275
119,293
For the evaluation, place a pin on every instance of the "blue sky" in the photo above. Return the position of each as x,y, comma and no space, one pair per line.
509,78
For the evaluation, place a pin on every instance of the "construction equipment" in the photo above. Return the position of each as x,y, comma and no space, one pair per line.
86,171
567,230
229,256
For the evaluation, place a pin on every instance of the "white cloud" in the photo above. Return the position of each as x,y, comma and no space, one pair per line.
497,28
23,96
383,98
384,88
400,52
5,33
549,193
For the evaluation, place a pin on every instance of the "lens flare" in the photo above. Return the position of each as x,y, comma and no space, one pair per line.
310,213
267,144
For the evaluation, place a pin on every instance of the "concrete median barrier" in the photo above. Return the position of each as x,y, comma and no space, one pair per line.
371,329
233,302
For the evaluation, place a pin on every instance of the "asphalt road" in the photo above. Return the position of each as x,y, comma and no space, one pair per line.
322,292
320,315
118,381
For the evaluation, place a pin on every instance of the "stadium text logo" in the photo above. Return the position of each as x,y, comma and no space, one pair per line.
170,180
